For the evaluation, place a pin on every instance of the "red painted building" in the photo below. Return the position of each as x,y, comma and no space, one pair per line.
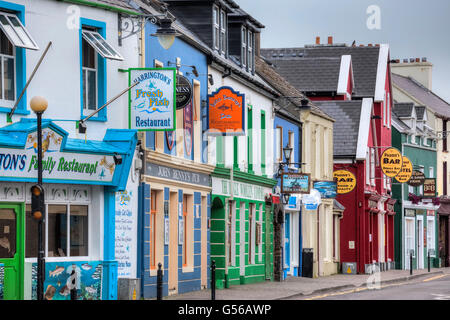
353,85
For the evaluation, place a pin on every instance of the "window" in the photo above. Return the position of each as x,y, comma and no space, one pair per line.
216,29
244,47
89,78
372,166
444,140
250,50
431,172
263,142
231,232
7,71
388,108
185,214
223,32
67,229
100,45
368,167
153,229
251,233
16,32
292,145
219,30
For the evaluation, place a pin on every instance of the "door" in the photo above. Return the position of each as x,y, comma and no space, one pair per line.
287,244
12,249
409,240
420,243
443,242
268,241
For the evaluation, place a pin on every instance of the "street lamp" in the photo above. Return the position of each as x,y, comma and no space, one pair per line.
39,105
287,151
165,33
285,197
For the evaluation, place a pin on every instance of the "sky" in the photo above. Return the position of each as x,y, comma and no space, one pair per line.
412,28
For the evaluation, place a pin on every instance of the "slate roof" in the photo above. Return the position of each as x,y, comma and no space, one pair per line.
426,97
364,62
270,75
311,74
399,124
404,109
347,116
123,4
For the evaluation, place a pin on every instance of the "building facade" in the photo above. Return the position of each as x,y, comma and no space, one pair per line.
88,177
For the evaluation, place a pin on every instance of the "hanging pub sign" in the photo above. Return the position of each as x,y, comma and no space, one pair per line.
391,162
429,188
327,189
292,182
188,125
152,103
417,179
184,91
406,172
226,112
346,181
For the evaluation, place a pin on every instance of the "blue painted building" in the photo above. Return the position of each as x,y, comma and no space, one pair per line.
174,196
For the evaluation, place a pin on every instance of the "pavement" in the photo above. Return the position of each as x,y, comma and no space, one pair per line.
298,286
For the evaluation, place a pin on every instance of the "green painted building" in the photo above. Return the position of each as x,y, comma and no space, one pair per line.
416,223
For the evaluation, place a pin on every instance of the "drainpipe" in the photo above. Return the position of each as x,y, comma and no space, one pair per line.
318,240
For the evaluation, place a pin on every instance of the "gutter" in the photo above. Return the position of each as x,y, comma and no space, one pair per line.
101,6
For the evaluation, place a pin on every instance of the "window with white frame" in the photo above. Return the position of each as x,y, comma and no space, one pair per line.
292,145
223,32
250,50
244,47
372,166
388,108
216,28
409,237
431,172
12,35
368,167
279,144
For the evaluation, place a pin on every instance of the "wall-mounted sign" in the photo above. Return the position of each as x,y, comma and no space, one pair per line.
346,181
56,165
312,200
152,102
406,172
179,175
184,91
391,162
226,112
188,125
170,139
429,188
295,182
327,189
417,178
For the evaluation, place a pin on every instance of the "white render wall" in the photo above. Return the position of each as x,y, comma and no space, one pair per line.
258,102
58,78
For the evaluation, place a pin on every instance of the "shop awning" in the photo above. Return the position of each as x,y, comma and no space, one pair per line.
66,160
444,208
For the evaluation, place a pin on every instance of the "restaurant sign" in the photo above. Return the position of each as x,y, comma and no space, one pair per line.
22,164
152,103
226,112
295,182
417,179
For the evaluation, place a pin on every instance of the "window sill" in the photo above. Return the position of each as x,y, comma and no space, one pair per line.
187,269
17,111
98,119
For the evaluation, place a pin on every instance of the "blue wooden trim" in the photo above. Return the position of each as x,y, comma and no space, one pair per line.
300,244
21,65
101,74
110,276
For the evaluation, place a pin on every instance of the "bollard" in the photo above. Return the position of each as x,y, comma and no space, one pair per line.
429,261
410,263
159,282
73,291
213,280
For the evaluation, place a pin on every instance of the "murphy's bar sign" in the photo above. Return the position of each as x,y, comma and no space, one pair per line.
226,112
56,165
391,162
152,103
346,181
406,172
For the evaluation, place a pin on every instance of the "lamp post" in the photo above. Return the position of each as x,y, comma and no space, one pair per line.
39,105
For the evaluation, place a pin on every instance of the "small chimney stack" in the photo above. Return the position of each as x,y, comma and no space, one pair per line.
417,59
330,40
317,40
424,59
405,60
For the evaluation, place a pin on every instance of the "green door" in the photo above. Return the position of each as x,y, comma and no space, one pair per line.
268,240
12,249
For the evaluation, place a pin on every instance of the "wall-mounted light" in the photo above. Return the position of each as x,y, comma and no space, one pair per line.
210,79
165,33
285,198
117,159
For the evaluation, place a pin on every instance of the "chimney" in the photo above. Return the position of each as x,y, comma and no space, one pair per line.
257,44
418,69
370,45
330,40
317,40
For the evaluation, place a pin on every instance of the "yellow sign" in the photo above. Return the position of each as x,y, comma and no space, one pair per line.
346,181
391,162
406,172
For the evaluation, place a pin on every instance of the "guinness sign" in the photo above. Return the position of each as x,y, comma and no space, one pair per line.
184,91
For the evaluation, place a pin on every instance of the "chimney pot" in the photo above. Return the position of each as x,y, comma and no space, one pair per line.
330,40
370,45
317,40
417,59
424,59
405,60
411,60
377,45
397,61
361,45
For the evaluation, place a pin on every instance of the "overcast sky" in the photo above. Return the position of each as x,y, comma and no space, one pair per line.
412,28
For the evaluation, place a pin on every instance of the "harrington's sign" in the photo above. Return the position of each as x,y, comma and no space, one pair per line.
391,162
346,181
406,172
56,165
152,103
226,112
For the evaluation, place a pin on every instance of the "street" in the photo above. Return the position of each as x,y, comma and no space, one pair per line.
430,288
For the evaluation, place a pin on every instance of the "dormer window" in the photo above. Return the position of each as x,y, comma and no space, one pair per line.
250,50
244,47
247,56
219,30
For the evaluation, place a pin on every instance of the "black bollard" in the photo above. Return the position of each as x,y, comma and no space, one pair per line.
159,282
410,263
73,291
429,261
213,280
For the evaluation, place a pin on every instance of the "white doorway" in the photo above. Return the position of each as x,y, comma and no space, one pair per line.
420,242
409,240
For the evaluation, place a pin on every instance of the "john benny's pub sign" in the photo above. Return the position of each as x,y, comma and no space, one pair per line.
56,165
152,102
